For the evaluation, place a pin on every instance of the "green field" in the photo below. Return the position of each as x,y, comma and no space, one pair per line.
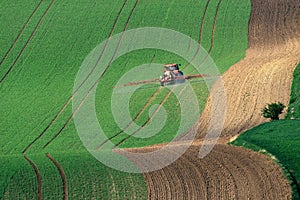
57,39
295,96
280,138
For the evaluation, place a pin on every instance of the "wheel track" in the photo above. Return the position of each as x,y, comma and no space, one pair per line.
270,60
62,175
38,177
53,120
97,81
137,115
21,32
70,118
212,35
157,91
200,35
209,52
27,42
151,180
149,118
213,32
266,180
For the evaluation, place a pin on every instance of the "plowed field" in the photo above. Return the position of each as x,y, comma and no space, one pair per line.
263,76
226,173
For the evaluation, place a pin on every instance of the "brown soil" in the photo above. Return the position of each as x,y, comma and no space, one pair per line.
264,76
228,172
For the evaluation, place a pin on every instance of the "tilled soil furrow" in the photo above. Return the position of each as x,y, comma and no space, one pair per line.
266,176
265,74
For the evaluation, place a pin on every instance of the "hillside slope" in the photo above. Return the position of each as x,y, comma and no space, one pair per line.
265,75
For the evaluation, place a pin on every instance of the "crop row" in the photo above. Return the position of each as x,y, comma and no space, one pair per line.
86,178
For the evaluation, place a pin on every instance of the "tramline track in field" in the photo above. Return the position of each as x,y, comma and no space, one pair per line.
97,81
135,118
21,32
62,175
76,109
265,74
38,177
200,35
149,119
27,42
84,81
212,35
187,77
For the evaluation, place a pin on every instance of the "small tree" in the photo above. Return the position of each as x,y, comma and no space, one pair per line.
273,110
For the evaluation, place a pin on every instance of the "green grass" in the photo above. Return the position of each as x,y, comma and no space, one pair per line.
13,17
280,138
86,178
43,79
295,96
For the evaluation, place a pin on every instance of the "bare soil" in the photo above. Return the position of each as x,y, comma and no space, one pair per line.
263,76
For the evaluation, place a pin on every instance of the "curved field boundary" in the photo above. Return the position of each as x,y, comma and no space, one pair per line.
295,181
265,74
167,95
156,92
38,177
75,92
62,175
256,177
97,81
27,42
21,32
223,174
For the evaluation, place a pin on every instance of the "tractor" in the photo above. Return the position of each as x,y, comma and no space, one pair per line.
172,75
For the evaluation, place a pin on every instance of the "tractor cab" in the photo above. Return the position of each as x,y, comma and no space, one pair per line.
171,75
171,67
